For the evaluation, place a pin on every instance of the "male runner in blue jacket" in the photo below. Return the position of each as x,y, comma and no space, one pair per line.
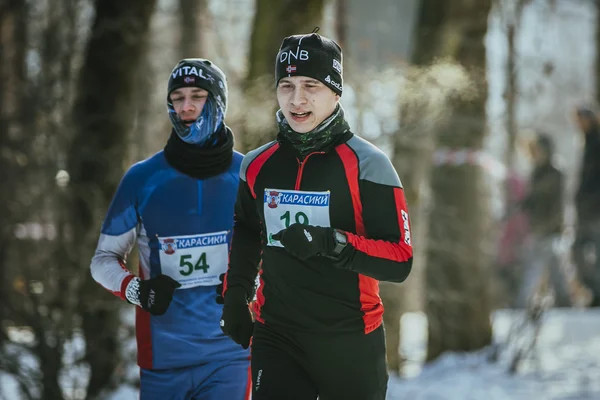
178,206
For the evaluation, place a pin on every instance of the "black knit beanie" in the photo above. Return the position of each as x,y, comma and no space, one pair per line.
202,73
311,55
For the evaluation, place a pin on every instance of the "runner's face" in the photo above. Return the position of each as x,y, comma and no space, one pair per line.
305,102
188,103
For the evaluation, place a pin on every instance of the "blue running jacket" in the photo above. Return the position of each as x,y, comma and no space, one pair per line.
183,228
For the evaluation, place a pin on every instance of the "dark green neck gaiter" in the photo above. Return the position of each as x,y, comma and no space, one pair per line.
323,137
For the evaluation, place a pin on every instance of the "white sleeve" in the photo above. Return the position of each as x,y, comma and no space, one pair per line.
108,263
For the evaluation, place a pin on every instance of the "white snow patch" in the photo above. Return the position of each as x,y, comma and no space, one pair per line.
567,365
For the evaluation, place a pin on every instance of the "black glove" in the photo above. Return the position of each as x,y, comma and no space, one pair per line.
236,320
305,241
153,295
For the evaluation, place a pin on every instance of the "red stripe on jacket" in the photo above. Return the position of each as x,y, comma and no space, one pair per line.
256,165
370,301
143,334
401,251
124,283
260,299
251,175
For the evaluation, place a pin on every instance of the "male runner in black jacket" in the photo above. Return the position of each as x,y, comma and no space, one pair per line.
322,212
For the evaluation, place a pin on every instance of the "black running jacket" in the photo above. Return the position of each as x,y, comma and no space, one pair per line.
352,187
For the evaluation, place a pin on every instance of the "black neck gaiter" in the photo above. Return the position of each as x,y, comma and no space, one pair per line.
325,136
199,162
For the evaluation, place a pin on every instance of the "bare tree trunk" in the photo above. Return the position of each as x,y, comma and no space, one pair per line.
14,145
102,119
191,41
13,39
40,102
53,86
14,168
393,297
598,51
413,149
341,21
273,21
458,304
414,144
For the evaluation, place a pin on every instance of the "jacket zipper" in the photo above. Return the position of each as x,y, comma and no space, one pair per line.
301,168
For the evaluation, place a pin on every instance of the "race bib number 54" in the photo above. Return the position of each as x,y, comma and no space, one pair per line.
194,260
283,208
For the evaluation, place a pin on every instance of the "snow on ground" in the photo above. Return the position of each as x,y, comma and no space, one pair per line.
567,366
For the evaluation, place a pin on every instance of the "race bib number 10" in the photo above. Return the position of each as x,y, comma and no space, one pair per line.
194,260
283,208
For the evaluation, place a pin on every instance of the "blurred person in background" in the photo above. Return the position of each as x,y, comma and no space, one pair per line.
514,233
323,213
544,206
586,247
178,206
